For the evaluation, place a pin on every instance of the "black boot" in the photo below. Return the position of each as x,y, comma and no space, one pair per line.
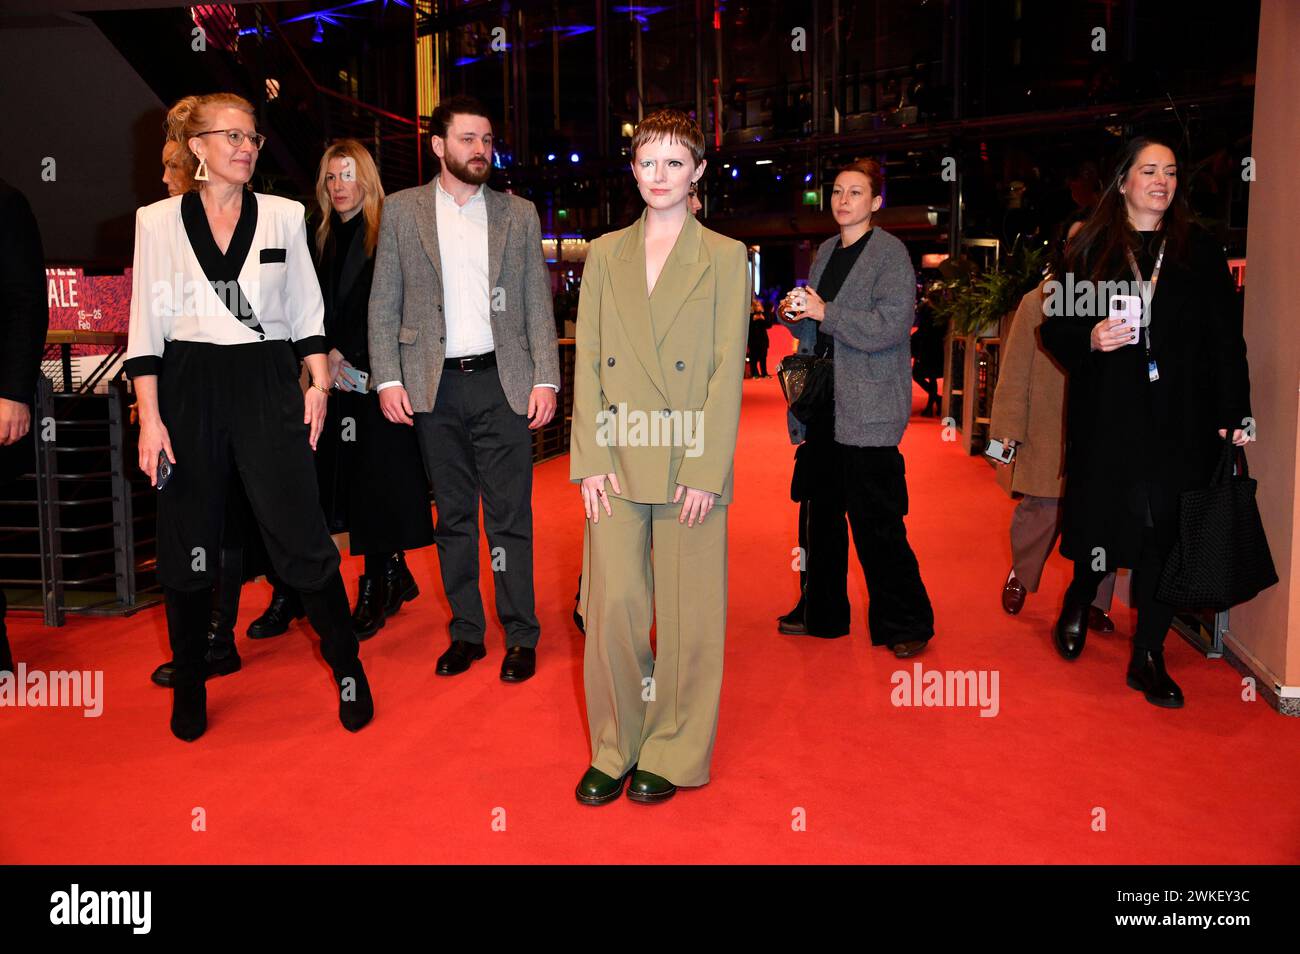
1146,673
399,585
1071,630
368,617
286,606
328,611
187,619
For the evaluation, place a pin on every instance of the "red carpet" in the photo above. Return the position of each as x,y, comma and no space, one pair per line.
807,730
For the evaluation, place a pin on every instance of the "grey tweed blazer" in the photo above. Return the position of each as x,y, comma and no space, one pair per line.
871,321
408,332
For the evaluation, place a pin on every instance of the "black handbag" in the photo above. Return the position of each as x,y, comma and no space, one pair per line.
1222,556
808,383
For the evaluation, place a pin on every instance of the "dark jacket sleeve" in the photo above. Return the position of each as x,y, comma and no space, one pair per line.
24,310
1225,338
1067,338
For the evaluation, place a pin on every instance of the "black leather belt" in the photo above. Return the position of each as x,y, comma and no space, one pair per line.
471,362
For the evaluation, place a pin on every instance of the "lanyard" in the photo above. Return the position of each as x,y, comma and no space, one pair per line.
1148,290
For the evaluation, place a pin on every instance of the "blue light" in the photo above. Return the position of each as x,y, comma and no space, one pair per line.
735,172
573,157
778,177
550,157
808,177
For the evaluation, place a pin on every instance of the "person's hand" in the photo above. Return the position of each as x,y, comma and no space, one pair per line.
698,504
814,306
396,405
541,407
154,439
1110,334
1238,436
594,496
336,363
15,421
314,403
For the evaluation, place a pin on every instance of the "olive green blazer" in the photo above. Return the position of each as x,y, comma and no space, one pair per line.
657,379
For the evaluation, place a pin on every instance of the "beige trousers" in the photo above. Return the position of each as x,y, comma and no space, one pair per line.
657,710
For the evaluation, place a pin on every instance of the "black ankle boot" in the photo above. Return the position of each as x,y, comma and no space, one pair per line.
328,611
286,606
1146,673
188,616
6,657
189,710
399,584
356,705
1071,630
368,617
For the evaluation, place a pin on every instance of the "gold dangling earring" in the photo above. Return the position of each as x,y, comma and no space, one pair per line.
201,173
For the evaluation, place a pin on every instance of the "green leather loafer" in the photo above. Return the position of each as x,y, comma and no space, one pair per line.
648,787
597,788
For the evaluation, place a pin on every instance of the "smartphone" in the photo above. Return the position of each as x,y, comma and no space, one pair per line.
359,380
163,472
1127,308
1001,452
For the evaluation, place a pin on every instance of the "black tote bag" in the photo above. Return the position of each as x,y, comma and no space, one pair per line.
1222,556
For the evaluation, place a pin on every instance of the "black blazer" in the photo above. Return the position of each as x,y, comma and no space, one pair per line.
1131,443
346,311
24,308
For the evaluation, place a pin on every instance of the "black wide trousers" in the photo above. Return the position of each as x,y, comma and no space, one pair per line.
237,410
865,488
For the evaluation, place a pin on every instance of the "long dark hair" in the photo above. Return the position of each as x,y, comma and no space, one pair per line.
1097,252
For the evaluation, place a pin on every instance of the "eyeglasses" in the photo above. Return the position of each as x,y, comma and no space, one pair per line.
236,137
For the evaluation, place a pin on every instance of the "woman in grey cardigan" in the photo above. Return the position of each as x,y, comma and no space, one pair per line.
858,308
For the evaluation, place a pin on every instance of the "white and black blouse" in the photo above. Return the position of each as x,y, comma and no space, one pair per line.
264,288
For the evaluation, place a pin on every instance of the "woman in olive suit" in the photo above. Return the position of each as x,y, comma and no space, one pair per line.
663,316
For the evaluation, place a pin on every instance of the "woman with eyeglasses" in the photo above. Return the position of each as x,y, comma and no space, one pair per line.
224,304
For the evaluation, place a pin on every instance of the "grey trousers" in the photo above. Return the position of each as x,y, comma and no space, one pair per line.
1034,528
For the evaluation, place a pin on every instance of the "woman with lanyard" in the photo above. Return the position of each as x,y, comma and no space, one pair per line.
223,293
1150,397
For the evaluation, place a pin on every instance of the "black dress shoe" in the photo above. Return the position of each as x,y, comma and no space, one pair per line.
597,788
791,627
520,664
356,705
1146,673
1099,622
285,607
368,617
458,658
646,787
220,659
1071,631
1013,595
909,648
398,585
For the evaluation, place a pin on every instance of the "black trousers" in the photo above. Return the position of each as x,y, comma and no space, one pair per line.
864,488
475,445
237,409
1153,617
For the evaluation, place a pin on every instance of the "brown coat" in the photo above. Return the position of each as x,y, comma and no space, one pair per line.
1029,405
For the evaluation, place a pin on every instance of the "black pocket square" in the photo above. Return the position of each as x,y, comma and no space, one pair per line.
272,255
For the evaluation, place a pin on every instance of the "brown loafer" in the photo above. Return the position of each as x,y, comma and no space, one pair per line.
1013,595
911,647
